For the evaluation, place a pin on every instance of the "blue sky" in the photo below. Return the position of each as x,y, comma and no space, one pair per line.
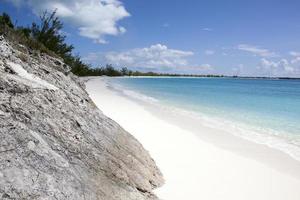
234,37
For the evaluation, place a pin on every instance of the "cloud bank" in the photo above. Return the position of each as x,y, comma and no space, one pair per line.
296,57
93,18
156,56
282,67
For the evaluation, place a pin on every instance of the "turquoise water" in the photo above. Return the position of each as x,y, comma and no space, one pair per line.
260,106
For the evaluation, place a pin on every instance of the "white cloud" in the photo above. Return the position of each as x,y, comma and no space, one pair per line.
207,29
296,56
268,65
280,68
154,57
295,53
295,60
209,52
256,50
93,18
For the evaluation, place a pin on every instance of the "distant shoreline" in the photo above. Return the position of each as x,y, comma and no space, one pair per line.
203,76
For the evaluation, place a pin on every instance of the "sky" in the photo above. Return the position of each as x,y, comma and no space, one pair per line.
231,37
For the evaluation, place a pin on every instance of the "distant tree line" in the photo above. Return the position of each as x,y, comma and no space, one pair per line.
47,37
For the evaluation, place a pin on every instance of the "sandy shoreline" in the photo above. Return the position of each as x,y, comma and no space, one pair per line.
200,163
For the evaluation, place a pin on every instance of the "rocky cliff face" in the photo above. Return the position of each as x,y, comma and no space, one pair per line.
56,144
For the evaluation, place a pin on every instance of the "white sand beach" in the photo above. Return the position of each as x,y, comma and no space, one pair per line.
200,162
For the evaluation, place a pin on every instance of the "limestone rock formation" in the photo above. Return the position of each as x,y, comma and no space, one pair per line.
56,144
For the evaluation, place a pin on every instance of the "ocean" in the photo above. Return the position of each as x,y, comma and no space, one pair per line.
266,111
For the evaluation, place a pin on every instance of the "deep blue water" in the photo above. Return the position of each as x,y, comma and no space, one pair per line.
269,106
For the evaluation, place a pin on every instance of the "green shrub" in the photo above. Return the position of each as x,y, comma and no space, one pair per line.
5,20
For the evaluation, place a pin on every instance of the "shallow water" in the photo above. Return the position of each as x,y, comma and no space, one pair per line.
263,110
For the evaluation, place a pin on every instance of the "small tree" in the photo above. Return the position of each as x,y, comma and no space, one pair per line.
5,20
48,33
125,71
25,31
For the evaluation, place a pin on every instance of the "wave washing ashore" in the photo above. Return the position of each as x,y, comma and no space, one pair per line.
211,137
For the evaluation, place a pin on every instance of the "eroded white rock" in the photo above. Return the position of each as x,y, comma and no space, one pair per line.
54,142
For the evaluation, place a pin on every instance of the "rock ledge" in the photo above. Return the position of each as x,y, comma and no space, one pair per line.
54,142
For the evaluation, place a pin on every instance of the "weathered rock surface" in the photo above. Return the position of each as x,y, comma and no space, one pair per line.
54,142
